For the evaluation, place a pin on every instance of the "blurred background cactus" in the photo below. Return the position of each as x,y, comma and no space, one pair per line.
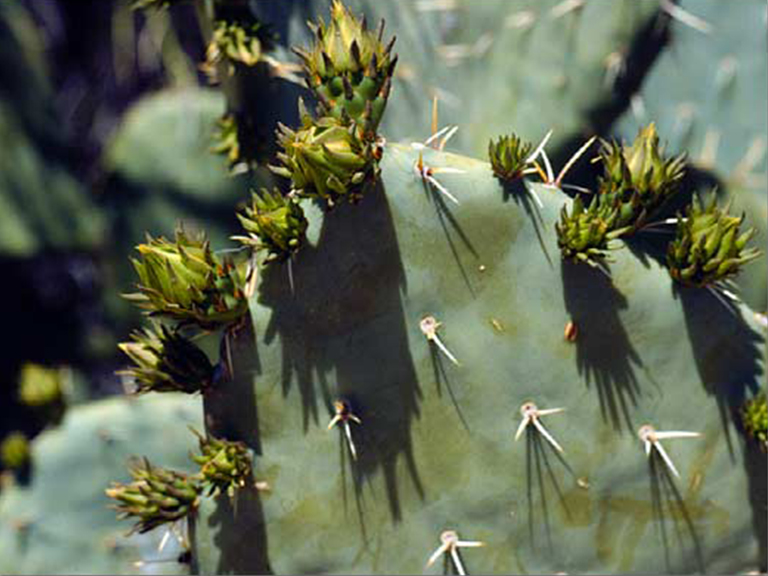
281,299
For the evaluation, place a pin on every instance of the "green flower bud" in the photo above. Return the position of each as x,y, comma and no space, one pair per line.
326,158
638,179
708,247
166,361
274,223
185,281
349,69
584,234
224,465
156,496
508,157
40,386
754,417
15,452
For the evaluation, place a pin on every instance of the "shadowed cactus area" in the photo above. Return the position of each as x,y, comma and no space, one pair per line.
436,447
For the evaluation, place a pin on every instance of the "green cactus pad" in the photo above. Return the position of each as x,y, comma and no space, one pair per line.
60,522
435,447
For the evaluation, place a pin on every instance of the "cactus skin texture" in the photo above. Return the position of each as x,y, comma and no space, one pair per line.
166,361
435,448
709,246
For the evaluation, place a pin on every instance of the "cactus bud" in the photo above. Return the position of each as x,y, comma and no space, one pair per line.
584,234
156,496
274,223
638,179
349,69
754,417
327,159
166,361
224,465
708,247
40,386
185,281
508,157
15,452
238,42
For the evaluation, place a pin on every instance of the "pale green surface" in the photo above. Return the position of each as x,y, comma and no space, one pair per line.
548,75
71,528
351,329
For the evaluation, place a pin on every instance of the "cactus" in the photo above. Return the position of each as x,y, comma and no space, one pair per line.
274,223
61,521
185,281
705,94
754,415
432,458
167,361
630,360
709,246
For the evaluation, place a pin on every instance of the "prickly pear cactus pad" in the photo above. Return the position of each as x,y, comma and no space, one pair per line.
387,294
496,65
60,522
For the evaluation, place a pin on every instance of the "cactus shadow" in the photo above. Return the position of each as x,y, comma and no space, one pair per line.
604,355
343,335
242,536
728,357
538,468
519,191
667,504
223,417
441,377
449,224
730,367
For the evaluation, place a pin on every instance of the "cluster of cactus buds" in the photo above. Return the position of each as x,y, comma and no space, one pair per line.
274,223
326,158
224,465
509,157
754,418
186,282
349,69
709,246
167,361
639,179
585,233
156,496
238,43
